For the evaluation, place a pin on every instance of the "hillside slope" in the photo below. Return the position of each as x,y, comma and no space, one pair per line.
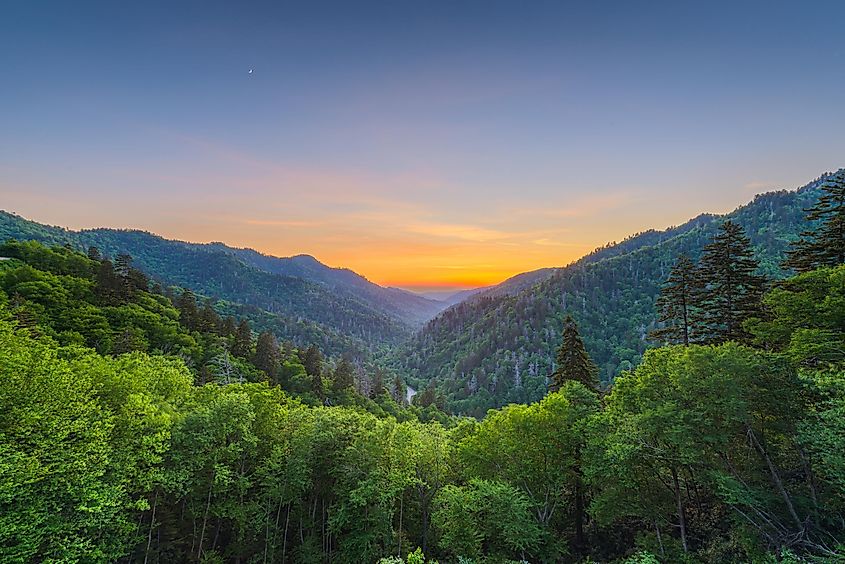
306,308
499,347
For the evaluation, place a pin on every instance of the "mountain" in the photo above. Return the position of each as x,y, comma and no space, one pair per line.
304,299
406,306
498,347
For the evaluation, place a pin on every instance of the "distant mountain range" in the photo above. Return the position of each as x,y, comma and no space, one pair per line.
498,345
298,297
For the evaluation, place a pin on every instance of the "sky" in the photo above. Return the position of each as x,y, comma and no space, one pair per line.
430,145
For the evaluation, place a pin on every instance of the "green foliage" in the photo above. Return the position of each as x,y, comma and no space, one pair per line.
675,304
729,289
806,318
485,518
573,362
499,348
824,244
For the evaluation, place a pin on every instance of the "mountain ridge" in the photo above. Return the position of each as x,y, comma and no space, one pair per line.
350,319
494,348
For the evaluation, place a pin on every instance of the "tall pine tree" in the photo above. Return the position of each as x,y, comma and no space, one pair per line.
824,245
728,289
344,376
573,362
242,342
675,304
312,360
267,355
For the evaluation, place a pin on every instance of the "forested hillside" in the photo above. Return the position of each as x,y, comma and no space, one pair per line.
347,311
498,348
111,307
718,453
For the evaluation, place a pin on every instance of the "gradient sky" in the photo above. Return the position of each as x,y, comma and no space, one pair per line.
425,144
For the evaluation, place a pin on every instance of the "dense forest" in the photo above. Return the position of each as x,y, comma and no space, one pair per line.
499,347
298,298
137,424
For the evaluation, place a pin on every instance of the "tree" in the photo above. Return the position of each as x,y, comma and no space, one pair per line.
399,390
427,397
729,291
242,341
806,318
122,265
107,284
344,376
675,303
267,356
228,327
824,244
485,514
377,387
573,362
186,303
312,360
94,254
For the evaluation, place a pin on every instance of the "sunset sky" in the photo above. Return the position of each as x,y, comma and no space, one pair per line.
424,144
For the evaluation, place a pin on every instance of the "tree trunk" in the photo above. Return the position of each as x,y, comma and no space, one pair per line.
579,513
682,521
401,507
205,517
152,524
775,477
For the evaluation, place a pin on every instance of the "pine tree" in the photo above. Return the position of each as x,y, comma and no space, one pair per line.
377,387
825,244
228,327
428,396
399,391
94,254
207,319
186,303
242,342
728,290
312,360
122,264
675,303
573,362
107,284
344,376
267,355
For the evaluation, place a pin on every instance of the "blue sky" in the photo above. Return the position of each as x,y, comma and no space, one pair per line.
423,144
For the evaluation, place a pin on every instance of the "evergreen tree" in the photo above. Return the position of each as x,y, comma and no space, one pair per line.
428,396
137,280
573,362
824,245
242,342
398,390
344,376
228,327
312,360
675,303
728,290
107,284
267,355
186,303
208,321
122,264
94,254
377,387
